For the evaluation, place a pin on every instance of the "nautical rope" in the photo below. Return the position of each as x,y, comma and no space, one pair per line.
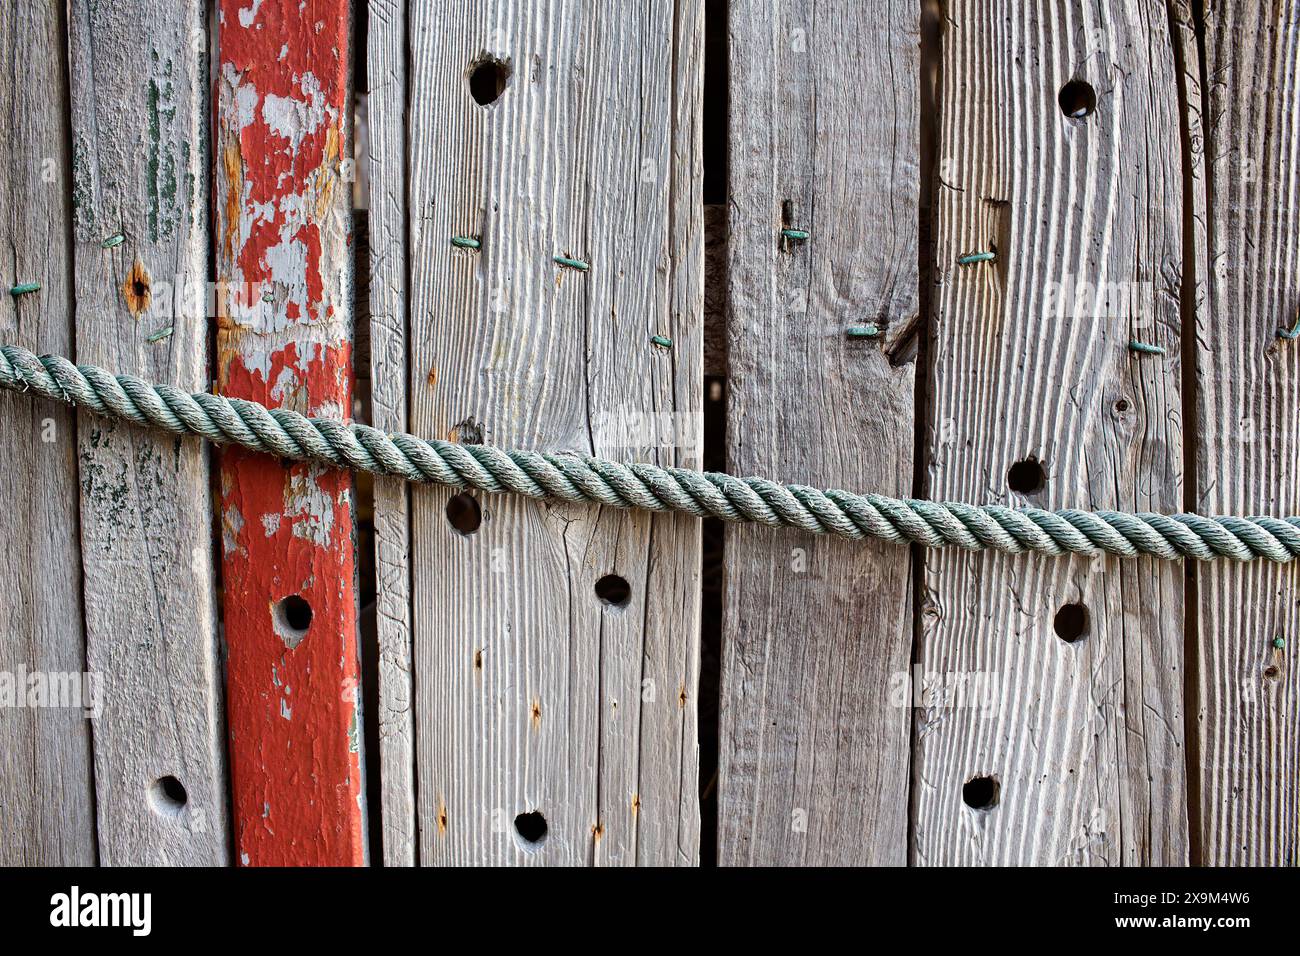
573,477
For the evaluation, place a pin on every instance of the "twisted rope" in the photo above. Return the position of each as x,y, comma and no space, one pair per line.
572,477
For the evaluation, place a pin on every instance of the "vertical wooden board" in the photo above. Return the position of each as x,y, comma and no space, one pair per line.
139,161
285,339
1248,435
386,68
46,797
534,697
1076,739
813,756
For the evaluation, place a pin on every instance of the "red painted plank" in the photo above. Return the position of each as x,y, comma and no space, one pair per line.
285,339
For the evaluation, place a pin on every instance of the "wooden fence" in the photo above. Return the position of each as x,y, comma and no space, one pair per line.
705,234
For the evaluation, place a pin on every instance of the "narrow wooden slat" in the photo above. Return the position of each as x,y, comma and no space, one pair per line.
1077,741
813,757
386,69
139,121
1248,434
532,696
284,258
47,809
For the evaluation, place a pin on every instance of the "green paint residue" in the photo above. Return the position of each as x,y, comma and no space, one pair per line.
160,162
189,173
83,194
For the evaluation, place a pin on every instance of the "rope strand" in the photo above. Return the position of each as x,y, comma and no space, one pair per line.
572,477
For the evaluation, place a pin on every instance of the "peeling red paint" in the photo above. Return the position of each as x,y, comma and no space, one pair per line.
288,530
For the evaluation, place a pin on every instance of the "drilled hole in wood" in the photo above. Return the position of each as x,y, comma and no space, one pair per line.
487,80
167,796
1121,406
294,613
530,830
980,793
613,590
1078,99
1071,623
1027,477
464,513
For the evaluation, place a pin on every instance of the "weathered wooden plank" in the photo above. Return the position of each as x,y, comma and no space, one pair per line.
1051,730
1248,434
139,161
386,71
813,758
538,703
47,806
289,567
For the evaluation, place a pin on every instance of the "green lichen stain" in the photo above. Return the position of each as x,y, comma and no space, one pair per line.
160,161
128,483
155,482
83,193
189,173
98,438
106,489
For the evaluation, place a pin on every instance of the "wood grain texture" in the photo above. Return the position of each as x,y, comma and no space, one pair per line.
1248,436
289,562
386,69
139,161
533,696
47,810
1084,739
813,757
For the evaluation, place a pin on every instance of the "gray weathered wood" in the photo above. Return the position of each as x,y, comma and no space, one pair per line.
386,107
533,696
1085,739
1248,435
813,757
46,798
140,168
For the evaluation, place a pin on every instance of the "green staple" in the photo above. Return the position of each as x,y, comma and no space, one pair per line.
797,234
25,287
583,478
466,242
1291,333
1145,349
663,341
112,241
572,263
160,334
862,331
973,257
